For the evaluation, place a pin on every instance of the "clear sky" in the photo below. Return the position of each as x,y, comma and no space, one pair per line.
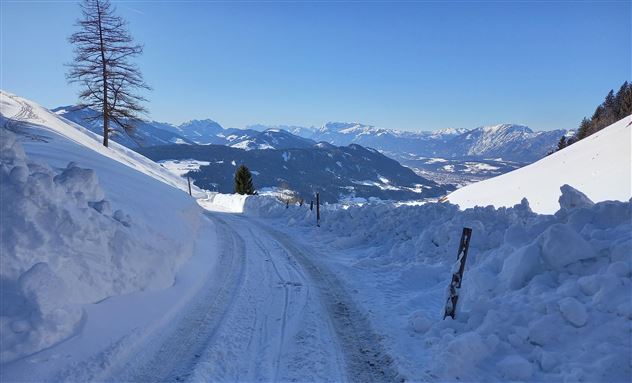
414,65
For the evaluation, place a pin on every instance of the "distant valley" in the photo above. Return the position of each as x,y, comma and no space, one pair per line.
334,158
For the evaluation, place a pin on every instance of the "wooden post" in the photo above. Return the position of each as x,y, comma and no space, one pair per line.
457,276
189,181
318,209
311,205
287,203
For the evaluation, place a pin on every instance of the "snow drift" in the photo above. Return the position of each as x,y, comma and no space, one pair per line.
600,166
544,297
79,223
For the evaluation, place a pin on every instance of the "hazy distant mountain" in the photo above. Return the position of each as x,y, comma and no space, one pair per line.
335,172
205,132
145,134
507,141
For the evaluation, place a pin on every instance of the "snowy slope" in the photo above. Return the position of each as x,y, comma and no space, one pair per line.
80,223
600,166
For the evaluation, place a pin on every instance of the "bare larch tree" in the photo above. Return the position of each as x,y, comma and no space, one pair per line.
109,81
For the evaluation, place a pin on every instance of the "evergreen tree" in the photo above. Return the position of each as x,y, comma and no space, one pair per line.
243,181
561,144
584,129
624,100
103,48
612,109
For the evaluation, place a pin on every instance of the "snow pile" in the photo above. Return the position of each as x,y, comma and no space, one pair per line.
600,166
79,223
544,297
251,205
63,245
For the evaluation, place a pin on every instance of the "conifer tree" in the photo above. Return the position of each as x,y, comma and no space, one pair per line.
109,80
561,143
243,181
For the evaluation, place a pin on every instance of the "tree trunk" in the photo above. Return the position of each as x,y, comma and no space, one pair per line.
106,117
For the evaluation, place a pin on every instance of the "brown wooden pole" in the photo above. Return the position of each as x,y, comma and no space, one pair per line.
189,181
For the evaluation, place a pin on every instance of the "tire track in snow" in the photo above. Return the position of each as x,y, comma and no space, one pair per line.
286,293
178,353
366,359
275,329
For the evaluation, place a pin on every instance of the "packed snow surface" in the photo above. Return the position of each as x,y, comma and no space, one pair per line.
599,165
544,297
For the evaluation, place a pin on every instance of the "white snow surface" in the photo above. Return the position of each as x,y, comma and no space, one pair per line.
544,297
110,273
182,167
599,165
80,224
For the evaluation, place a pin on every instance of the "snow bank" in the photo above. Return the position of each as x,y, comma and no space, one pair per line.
599,165
544,297
251,205
62,245
79,223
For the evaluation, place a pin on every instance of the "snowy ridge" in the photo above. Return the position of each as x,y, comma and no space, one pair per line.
509,141
600,166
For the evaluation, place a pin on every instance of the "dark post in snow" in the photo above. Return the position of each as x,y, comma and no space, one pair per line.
287,203
189,181
457,275
311,205
318,209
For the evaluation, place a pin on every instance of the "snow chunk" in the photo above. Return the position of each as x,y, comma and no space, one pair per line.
572,198
515,367
521,266
561,246
573,311
420,322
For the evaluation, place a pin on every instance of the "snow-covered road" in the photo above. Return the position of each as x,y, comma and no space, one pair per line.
269,312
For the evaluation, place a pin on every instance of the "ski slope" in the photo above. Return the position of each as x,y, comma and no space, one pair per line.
600,166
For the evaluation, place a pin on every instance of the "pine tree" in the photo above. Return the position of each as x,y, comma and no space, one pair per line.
612,109
243,181
624,100
561,144
103,48
584,129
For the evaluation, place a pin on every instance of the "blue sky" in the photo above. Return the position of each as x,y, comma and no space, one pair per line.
413,65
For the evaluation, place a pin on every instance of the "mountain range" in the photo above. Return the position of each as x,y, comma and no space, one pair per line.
335,172
509,142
